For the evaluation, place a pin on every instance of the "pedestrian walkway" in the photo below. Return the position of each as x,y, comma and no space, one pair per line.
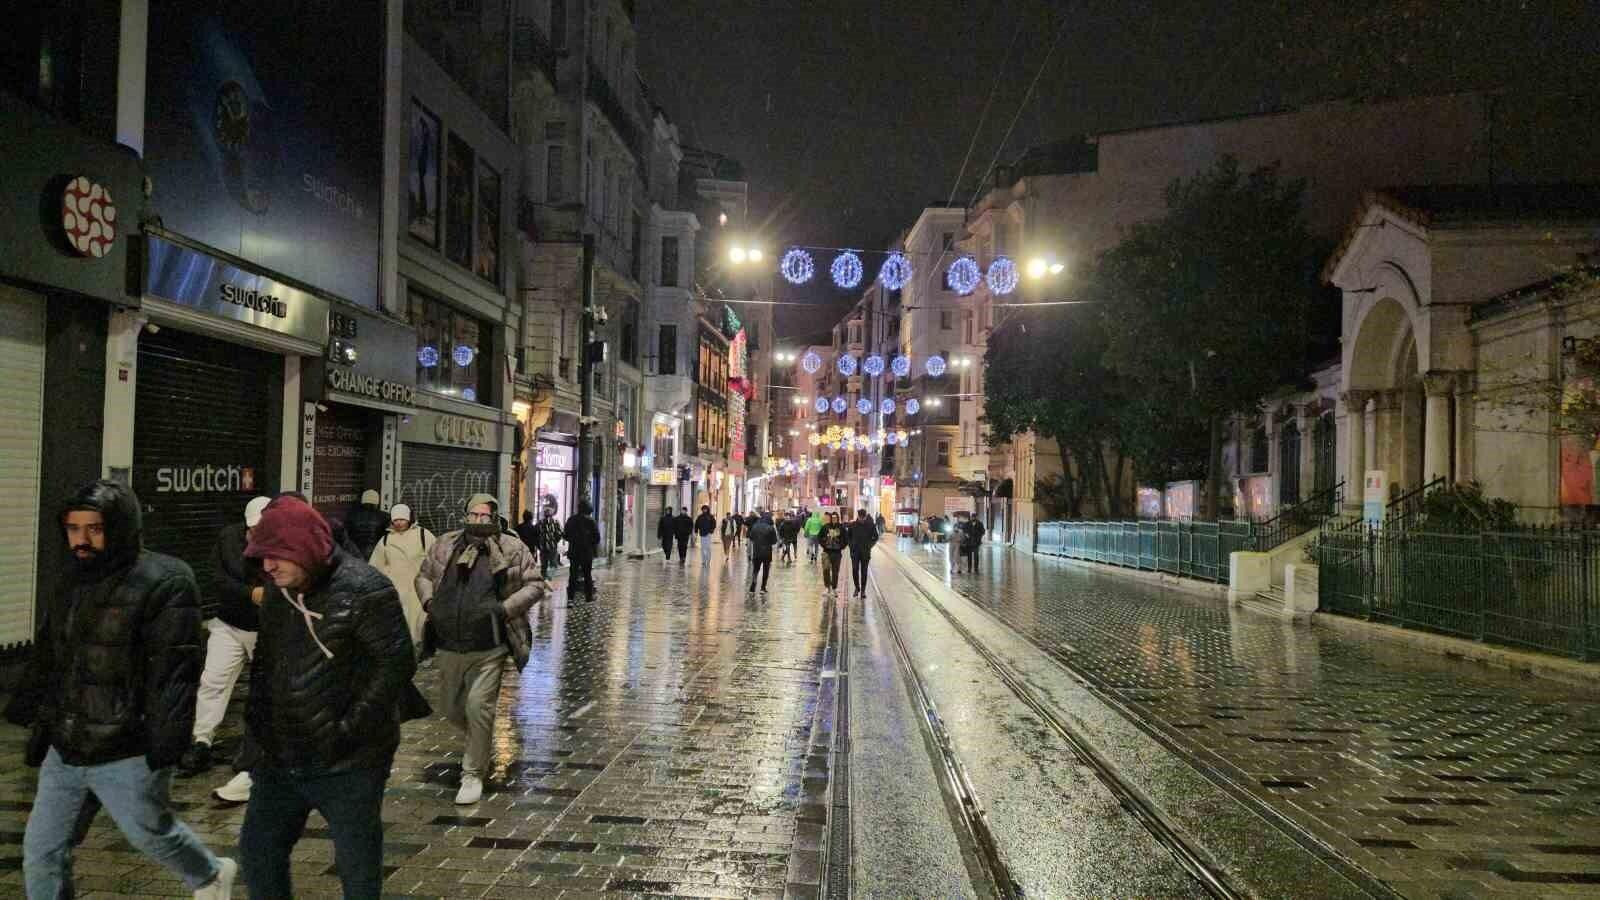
670,738
1439,777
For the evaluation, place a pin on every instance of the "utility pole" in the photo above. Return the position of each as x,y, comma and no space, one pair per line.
586,376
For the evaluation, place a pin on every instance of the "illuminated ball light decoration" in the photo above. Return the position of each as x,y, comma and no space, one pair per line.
822,404
811,362
886,407
840,405
864,406
964,275
912,406
873,365
846,270
896,271
901,367
1003,276
428,356
463,355
797,267
934,365
846,365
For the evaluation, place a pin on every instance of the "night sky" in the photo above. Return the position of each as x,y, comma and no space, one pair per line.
849,117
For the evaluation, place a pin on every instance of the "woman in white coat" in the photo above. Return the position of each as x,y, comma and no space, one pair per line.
399,555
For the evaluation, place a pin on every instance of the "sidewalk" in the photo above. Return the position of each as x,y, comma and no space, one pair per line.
1438,777
667,739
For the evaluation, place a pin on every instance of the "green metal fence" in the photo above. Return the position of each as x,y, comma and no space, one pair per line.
1177,547
1529,587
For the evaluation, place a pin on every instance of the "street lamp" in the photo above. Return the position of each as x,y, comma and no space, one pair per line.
737,254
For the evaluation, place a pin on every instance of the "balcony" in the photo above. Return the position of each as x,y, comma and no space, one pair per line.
611,106
530,46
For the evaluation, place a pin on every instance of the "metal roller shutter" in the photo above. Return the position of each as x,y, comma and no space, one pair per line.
200,440
436,482
654,499
21,423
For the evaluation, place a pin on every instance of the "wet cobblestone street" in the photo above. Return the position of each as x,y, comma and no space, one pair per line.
671,738
1438,777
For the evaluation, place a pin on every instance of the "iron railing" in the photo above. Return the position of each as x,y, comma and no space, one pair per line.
1402,511
1527,587
1300,518
616,112
1177,547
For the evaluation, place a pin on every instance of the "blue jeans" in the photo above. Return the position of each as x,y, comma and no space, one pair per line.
280,801
135,798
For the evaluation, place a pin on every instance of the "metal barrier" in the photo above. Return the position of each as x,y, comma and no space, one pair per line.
1177,547
1531,587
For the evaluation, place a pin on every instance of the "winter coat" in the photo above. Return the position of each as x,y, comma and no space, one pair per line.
731,527
366,525
313,711
763,537
529,533
682,526
814,525
518,582
664,528
972,535
117,658
863,537
399,555
789,529
705,524
548,535
583,537
235,578
834,537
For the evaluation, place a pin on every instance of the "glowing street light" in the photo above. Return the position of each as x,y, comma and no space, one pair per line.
755,254
737,254
1037,267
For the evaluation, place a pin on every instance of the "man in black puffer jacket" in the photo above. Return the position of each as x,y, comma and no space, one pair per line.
333,657
110,697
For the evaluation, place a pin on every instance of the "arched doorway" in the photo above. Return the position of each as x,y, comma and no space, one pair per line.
1384,402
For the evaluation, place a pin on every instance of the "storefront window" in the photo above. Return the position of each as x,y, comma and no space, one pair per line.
452,351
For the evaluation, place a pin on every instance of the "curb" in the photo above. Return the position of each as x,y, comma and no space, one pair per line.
1524,662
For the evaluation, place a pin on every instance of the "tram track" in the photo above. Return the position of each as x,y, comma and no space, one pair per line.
974,820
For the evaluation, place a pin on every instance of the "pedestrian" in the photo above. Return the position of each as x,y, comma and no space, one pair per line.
730,535
664,531
333,662
399,555
682,528
789,533
583,544
528,531
763,537
705,525
366,524
548,542
833,538
813,529
971,543
883,525
230,633
474,582
863,537
109,696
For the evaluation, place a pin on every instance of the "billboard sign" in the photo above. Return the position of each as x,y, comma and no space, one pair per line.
263,144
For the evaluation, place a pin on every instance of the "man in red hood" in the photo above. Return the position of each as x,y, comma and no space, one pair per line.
333,656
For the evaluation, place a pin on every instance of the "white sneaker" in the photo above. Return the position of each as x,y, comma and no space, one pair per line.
221,887
471,790
237,790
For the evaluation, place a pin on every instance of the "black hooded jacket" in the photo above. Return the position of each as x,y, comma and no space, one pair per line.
117,659
664,527
313,712
235,578
682,526
365,526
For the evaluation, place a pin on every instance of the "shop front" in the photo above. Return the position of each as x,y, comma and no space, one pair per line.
355,397
554,474
444,459
215,384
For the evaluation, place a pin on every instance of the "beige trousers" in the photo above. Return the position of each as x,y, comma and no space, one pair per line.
469,696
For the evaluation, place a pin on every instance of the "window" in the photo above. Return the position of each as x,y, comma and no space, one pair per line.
630,333
636,235
452,350
554,172
458,207
667,351
966,317
946,319
669,262
558,24
942,453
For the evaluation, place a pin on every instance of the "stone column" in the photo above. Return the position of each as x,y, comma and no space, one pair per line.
1274,442
1356,431
1436,462
1463,400
1308,451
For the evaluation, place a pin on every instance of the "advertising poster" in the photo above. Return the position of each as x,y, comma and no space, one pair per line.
261,143
458,187
486,262
423,176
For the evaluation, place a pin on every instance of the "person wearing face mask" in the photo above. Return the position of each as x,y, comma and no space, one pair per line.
332,669
110,696
474,584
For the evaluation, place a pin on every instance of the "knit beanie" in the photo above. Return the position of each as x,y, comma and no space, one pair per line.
370,498
292,530
400,511
253,510
477,499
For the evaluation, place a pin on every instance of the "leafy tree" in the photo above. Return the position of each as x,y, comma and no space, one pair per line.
1207,310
